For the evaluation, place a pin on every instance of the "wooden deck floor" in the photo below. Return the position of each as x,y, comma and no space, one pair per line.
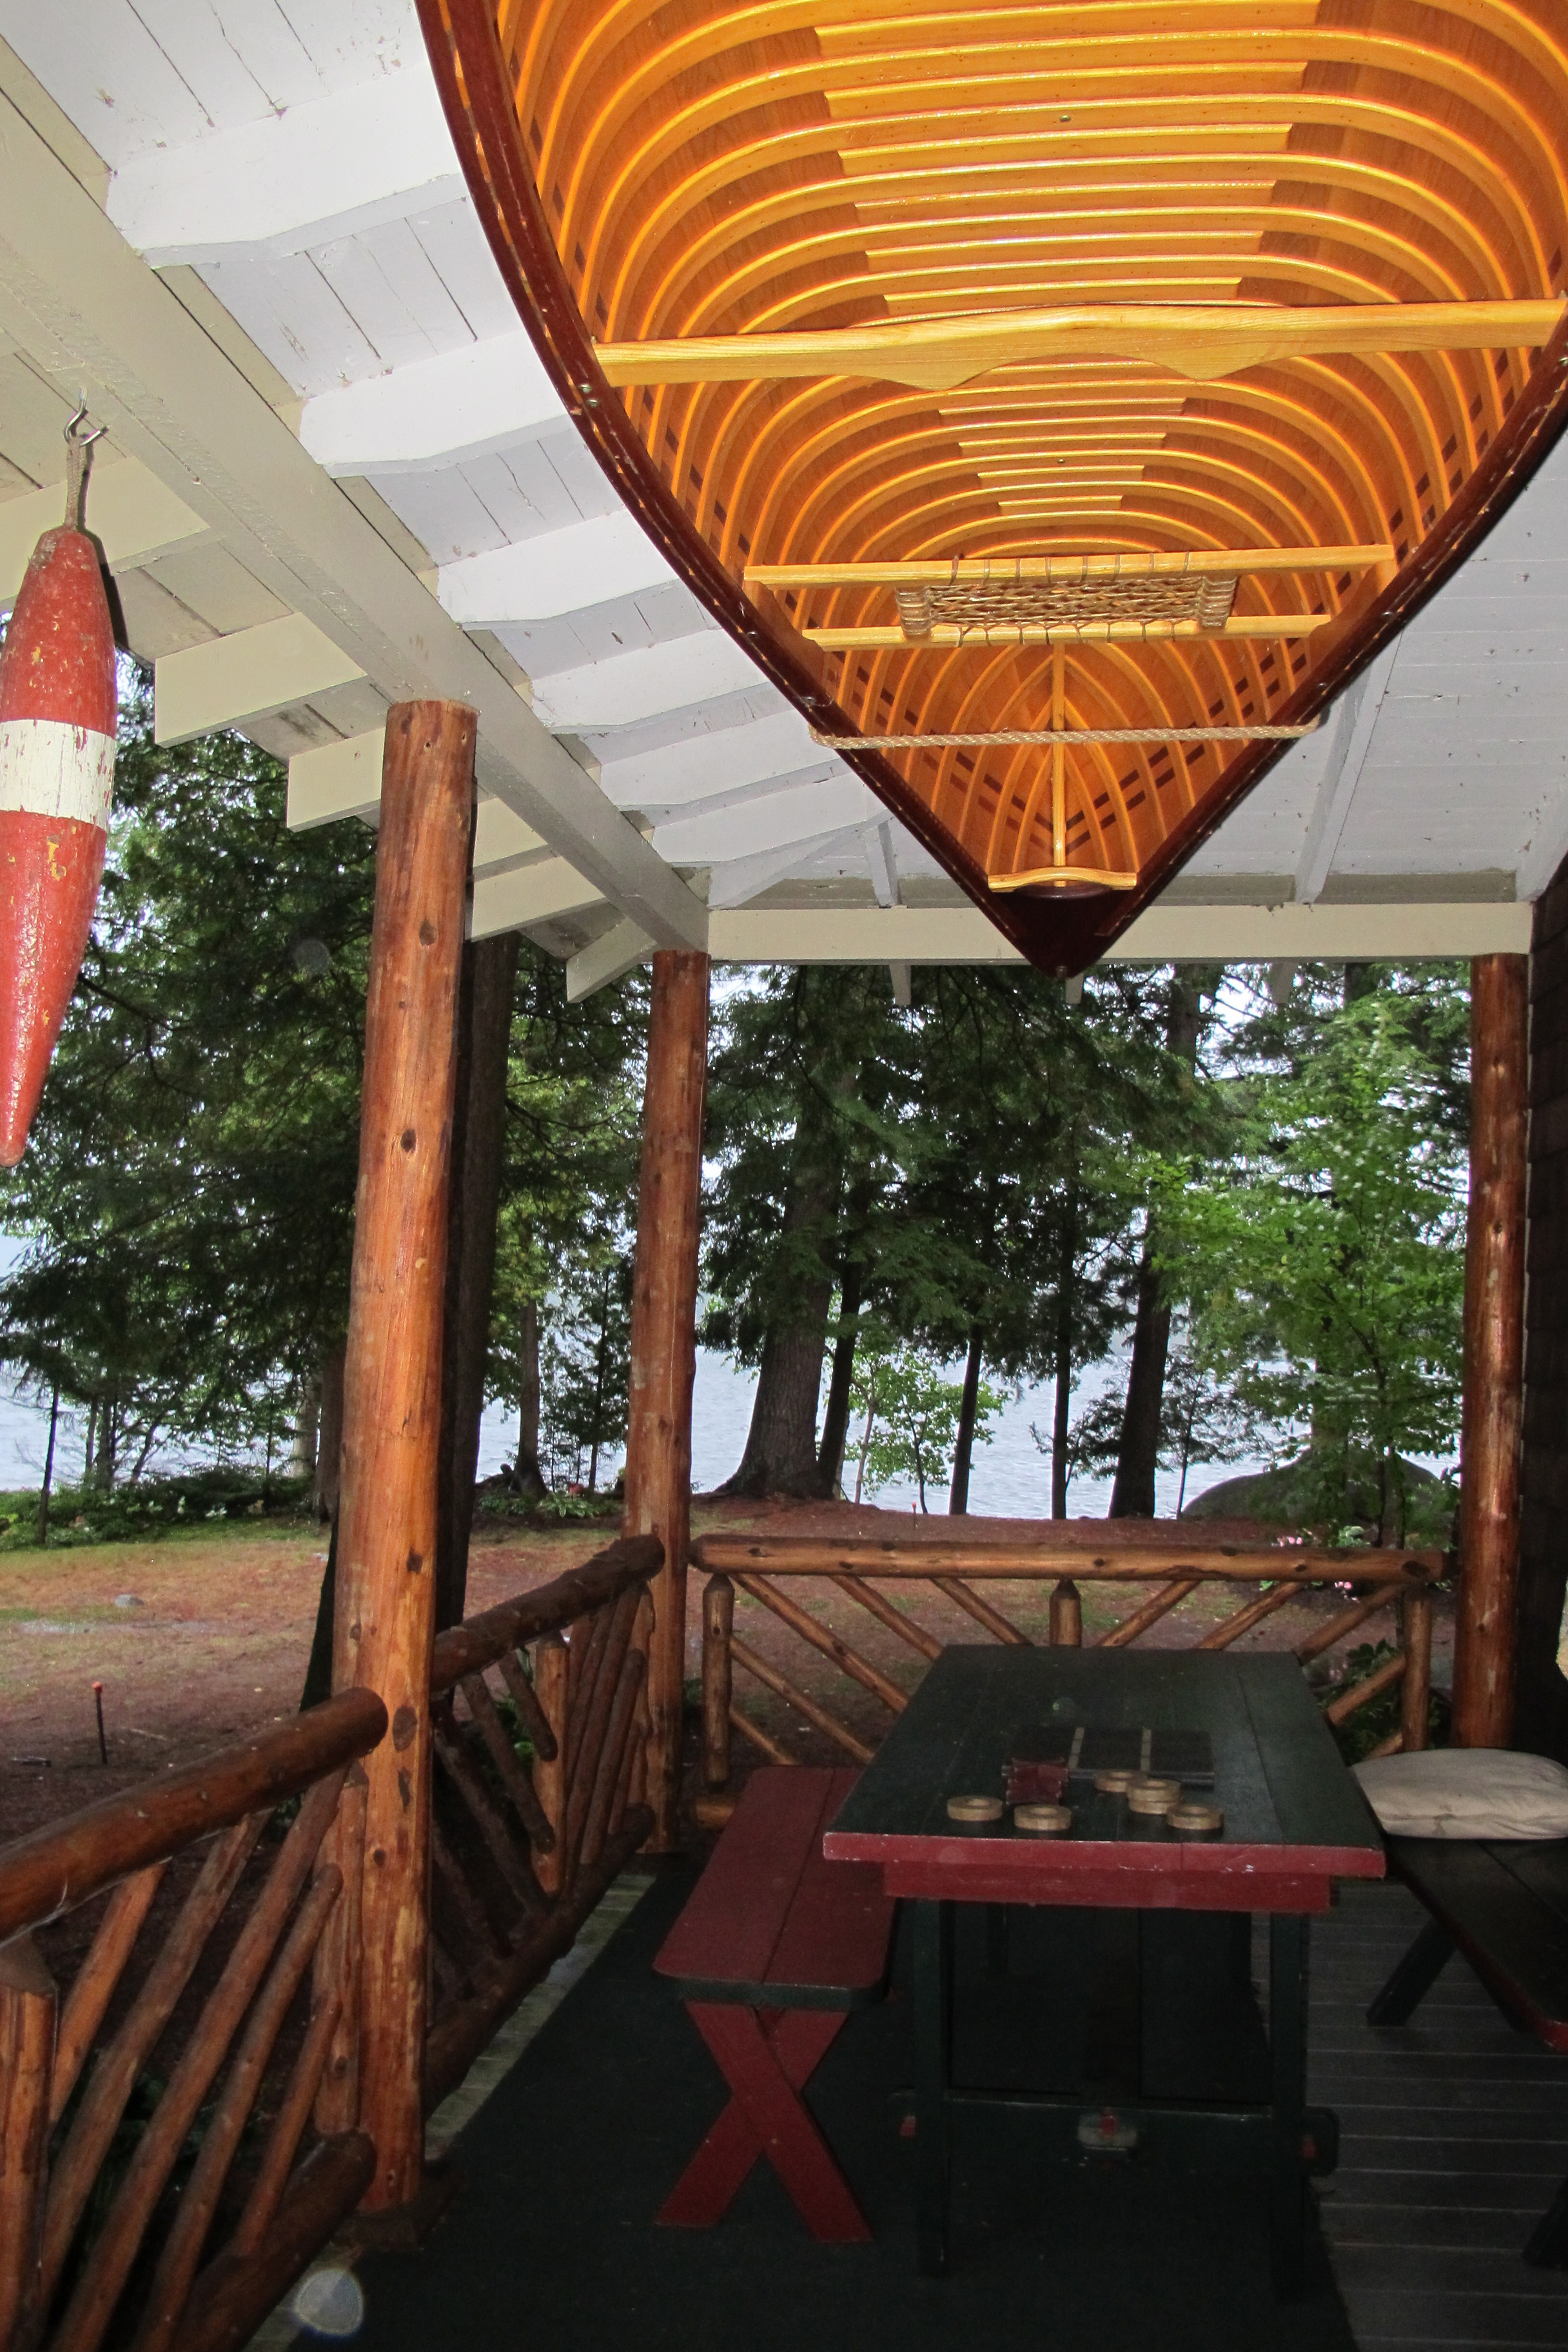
1455,2138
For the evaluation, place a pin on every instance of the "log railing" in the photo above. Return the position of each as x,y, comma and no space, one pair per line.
247,1988
64,2284
885,1582
520,1857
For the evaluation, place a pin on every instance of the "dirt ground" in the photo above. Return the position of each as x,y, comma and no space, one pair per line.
204,1635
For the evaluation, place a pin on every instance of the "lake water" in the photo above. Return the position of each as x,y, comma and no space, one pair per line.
1011,1478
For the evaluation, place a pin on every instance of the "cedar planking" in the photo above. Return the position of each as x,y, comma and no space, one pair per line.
620,209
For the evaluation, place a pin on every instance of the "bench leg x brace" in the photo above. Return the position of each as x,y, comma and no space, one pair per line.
767,2056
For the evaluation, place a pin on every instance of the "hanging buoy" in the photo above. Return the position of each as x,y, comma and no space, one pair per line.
58,709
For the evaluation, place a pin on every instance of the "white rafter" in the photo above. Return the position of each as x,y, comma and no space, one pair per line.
370,154
560,572
644,685
473,402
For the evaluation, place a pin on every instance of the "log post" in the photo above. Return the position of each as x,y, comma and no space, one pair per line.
1415,1690
1067,1616
1484,1639
717,1678
551,1665
664,1345
386,1612
28,2012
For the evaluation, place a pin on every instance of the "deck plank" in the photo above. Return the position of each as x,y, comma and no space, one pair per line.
1454,2136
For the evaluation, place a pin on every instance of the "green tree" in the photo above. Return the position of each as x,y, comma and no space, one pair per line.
1323,1258
187,1193
585,1375
1201,1420
911,1418
569,1187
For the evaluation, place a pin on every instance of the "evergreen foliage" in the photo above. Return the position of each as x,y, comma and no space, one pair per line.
187,1193
1322,1256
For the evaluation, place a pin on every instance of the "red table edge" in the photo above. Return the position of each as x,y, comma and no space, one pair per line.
1105,1872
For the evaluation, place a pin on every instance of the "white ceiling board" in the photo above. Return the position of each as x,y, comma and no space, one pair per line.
602,632
501,498
646,684
92,315
767,822
559,573
711,804
163,73
284,180
132,514
713,763
294,317
693,726
466,403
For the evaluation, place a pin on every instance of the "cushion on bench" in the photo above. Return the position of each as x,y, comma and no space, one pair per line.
1466,1792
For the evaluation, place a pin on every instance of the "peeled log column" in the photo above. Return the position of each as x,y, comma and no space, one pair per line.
1494,1353
391,1408
664,1345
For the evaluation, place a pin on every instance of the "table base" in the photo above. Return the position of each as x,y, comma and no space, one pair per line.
1281,2138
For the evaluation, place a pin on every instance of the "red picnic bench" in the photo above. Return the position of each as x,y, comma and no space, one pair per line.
773,1950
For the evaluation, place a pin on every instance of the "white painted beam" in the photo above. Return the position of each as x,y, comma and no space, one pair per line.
1351,728
740,880
762,824
98,323
340,780
607,959
1225,934
247,675
700,766
525,894
882,863
560,572
1333,933
857,935
500,836
375,152
471,403
648,684
129,512
335,780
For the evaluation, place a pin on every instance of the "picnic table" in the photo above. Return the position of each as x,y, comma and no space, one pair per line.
1294,1822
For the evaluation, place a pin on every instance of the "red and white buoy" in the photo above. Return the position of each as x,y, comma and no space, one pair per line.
57,712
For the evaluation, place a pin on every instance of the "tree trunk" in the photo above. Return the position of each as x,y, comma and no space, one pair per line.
330,1436
1066,1271
1138,1454
48,1464
527,1476
781,1453
835,1417
478,1137
108,1433
91,1447
963,1449
306,1426
781,1443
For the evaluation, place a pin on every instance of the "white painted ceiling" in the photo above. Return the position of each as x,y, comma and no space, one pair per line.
291,154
